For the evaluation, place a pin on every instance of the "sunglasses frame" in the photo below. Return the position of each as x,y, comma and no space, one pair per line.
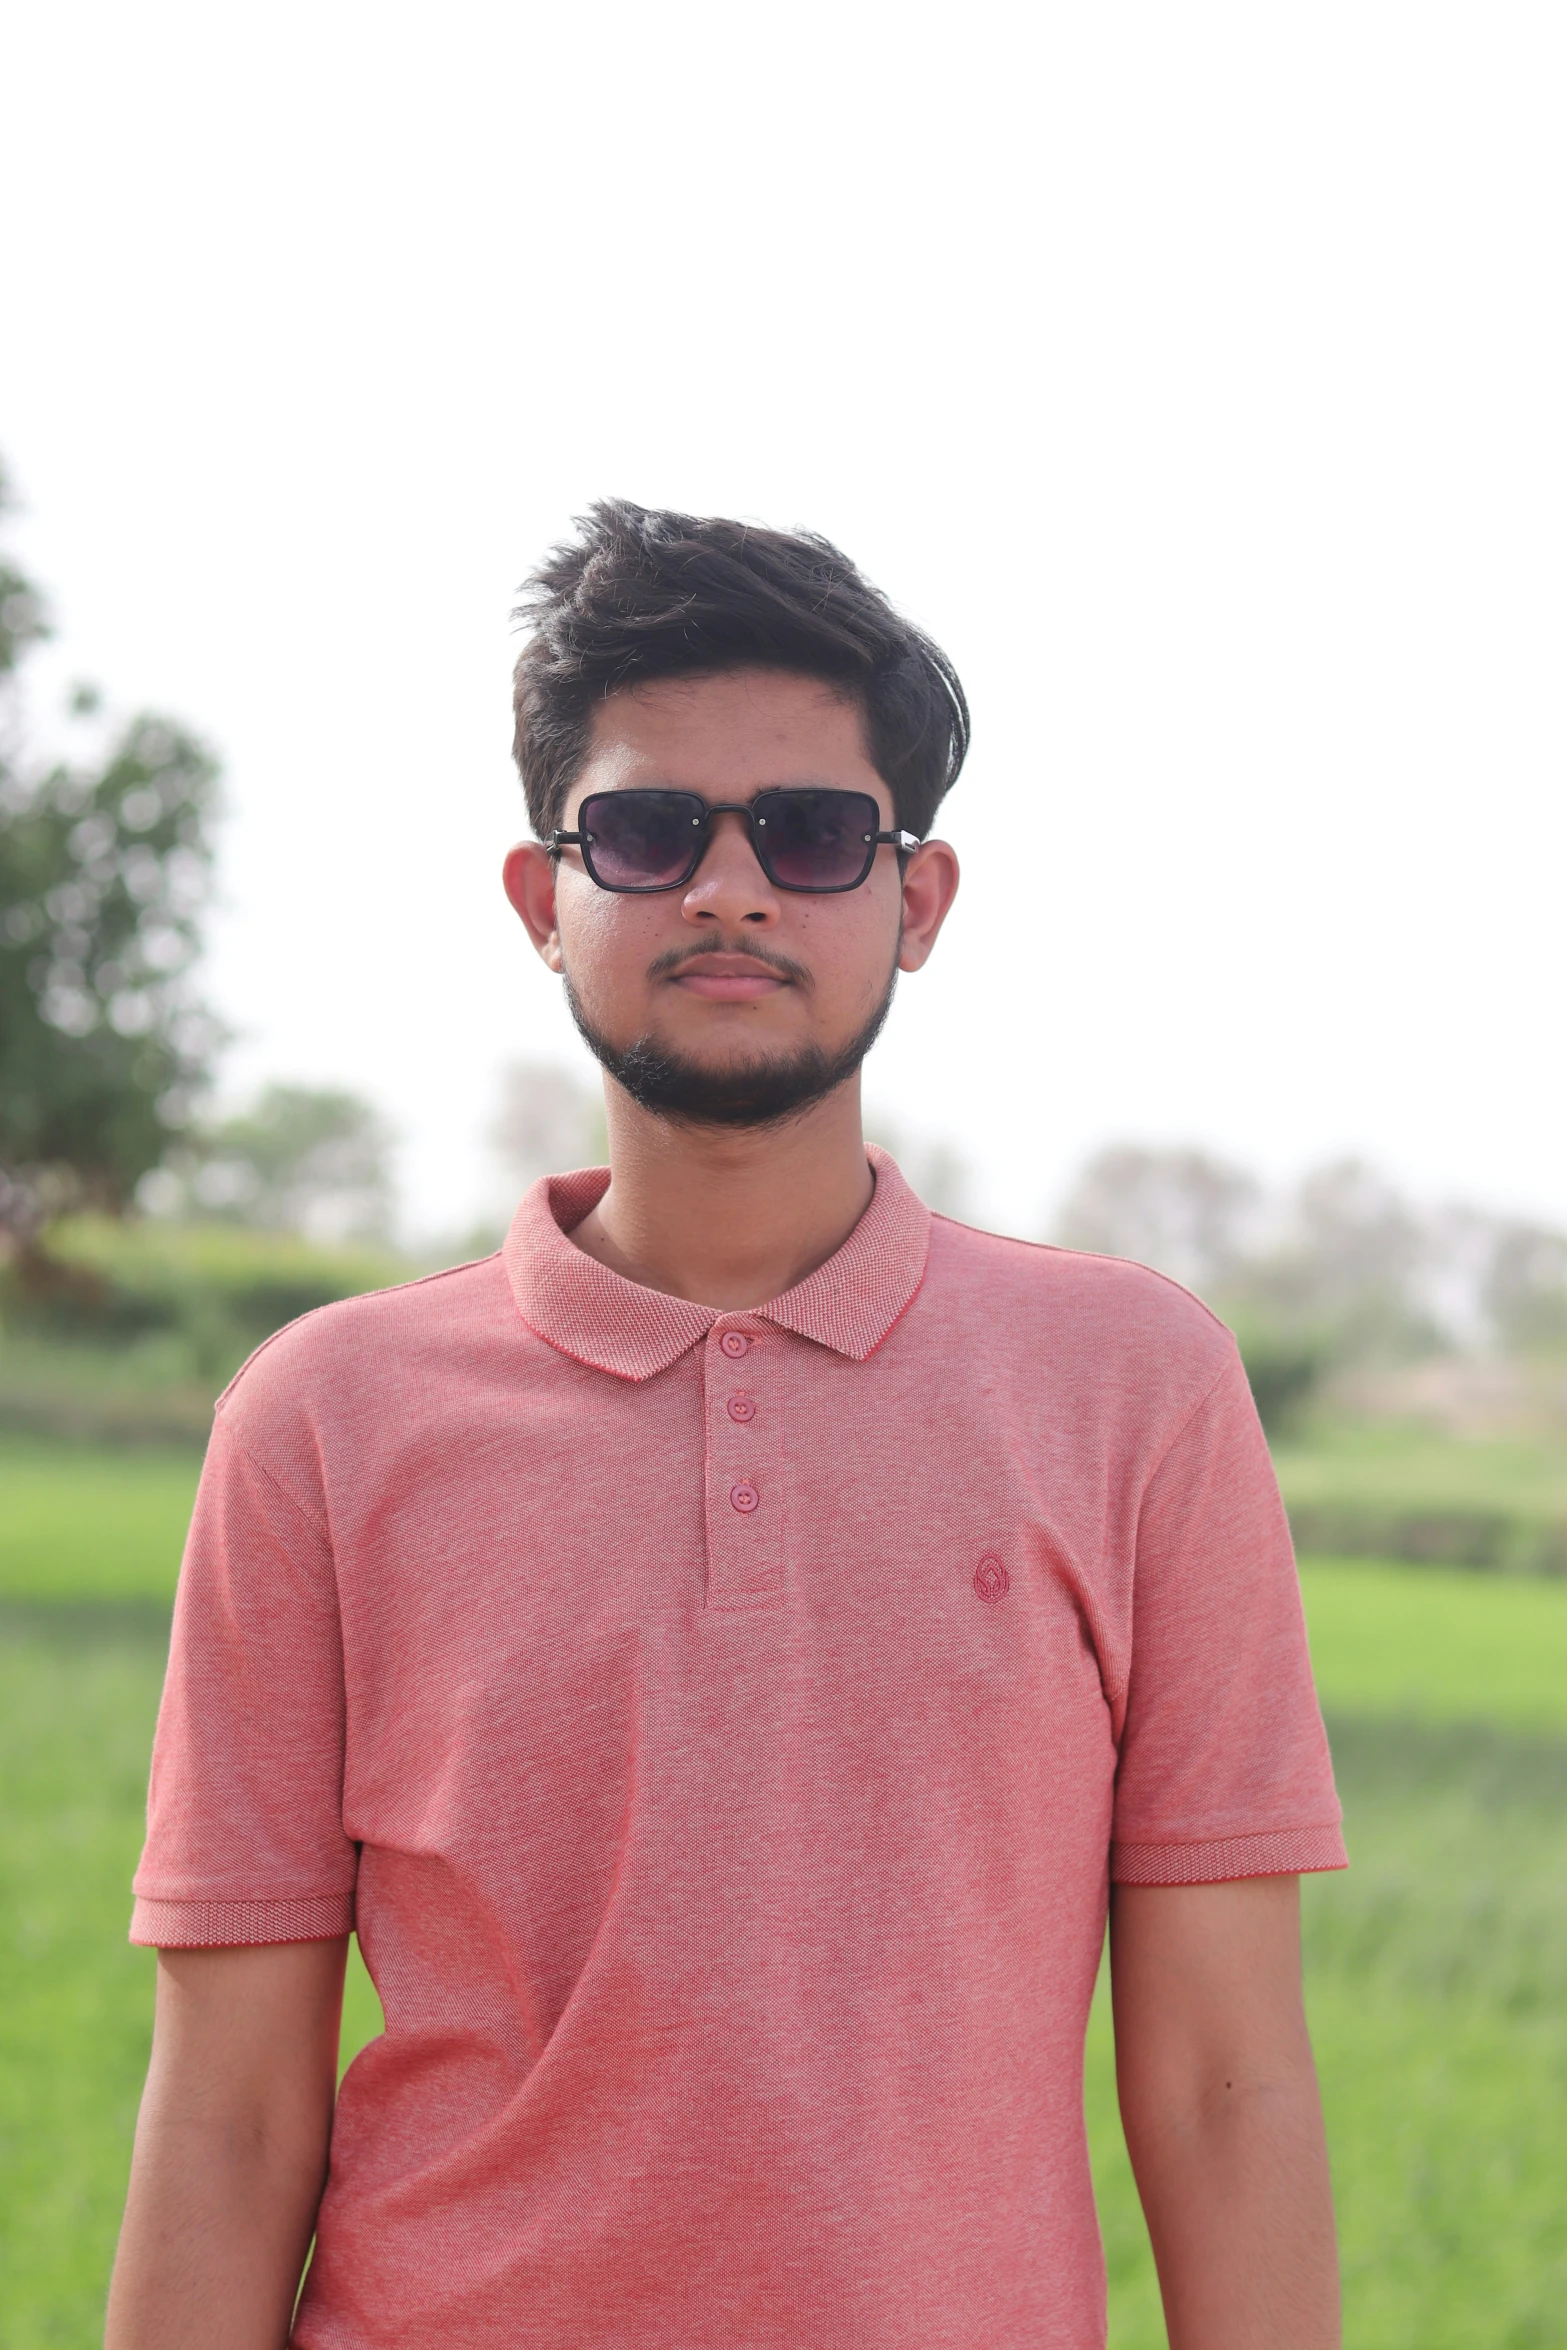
702,825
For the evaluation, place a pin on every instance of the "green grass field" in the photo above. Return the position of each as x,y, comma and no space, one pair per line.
1436,1966
1407,1463
83,1523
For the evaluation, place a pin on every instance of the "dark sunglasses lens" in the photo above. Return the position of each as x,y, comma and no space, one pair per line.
818,839
640,839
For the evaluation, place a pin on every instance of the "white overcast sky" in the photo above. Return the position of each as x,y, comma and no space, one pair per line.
1196,374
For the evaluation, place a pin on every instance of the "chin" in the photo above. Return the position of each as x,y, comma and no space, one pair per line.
721,1085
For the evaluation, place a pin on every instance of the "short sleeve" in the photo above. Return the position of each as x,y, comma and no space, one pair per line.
245,1839
1223,1768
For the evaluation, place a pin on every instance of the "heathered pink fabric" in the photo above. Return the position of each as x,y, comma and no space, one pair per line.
727,1800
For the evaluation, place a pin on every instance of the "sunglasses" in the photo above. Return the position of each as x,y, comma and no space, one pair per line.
806,840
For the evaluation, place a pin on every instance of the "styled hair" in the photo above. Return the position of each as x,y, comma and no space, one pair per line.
643,593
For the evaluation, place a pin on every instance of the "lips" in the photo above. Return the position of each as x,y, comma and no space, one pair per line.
724,978
728,979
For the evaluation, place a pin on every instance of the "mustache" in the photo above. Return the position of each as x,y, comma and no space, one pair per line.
678,957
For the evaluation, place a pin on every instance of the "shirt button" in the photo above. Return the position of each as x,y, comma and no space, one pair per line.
744,1497
733,1344
741,1408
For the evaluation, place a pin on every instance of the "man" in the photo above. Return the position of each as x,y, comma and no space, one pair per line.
721,1651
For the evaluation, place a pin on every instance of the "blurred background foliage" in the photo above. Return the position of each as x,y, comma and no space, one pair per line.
105,868
1337,1275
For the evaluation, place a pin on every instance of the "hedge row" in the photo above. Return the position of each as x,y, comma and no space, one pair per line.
1501,1541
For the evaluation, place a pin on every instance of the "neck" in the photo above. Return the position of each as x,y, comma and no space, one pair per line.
728,1217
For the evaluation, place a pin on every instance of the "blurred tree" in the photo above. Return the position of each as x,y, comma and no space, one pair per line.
23,619
1353,1269
1336,1274
301,1159
934,1168
1526,1289
104,873
1179,1211
549,1120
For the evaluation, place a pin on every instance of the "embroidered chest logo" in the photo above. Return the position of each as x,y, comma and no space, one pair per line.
991,1579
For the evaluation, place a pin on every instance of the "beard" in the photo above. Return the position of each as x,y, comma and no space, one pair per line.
765,1091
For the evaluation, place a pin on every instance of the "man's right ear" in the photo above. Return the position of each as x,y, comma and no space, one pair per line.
529,878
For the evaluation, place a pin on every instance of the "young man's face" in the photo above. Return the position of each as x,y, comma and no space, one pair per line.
728,979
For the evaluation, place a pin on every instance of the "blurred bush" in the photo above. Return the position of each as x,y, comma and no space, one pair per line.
1510,1542
215,1290
1285,1368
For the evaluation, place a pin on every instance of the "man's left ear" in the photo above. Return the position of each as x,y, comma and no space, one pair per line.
930,883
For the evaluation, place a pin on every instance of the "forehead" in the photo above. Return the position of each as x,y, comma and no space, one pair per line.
729,736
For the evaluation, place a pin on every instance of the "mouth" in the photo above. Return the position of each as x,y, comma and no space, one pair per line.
729,976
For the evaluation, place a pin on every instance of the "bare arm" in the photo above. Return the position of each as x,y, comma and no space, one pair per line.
1222,2117
231,2147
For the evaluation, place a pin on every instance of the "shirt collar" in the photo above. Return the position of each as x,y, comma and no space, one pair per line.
598,1317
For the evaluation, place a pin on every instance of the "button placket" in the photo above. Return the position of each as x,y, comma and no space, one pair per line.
743,1452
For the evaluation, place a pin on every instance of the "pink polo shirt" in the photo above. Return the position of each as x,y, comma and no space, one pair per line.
722,1729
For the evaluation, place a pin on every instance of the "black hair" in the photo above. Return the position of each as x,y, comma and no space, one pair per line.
642,593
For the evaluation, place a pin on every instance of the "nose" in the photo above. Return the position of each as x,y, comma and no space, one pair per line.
729,886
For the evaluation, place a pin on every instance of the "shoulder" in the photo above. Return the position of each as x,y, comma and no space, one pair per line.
1097,1315
366,1354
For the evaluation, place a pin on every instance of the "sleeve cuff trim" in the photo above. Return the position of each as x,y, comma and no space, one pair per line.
211,1925
1287,1852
